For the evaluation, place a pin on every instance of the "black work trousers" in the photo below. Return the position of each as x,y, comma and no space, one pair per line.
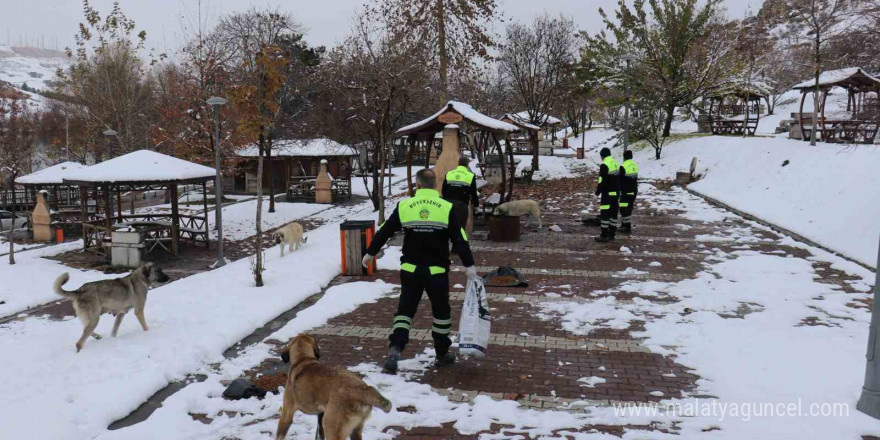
413,284
608,211
627,203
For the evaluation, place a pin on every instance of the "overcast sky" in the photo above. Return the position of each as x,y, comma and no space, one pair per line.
326,21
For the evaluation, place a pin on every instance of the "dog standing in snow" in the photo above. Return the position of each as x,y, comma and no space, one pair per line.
519,208
115,296
291,236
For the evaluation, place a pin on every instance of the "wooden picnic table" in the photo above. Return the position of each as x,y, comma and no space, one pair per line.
844,130
156,232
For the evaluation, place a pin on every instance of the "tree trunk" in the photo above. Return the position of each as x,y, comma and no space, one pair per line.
657,152
770,106
374,197
258,267
12,236
270,170
383,157
535,163
667,124
441,40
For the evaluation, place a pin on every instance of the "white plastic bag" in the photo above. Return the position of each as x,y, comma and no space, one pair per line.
473,330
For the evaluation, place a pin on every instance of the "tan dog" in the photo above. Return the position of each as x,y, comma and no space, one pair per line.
115,296
519,208
340,399
290,235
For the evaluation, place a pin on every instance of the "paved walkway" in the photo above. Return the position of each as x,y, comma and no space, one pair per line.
532,359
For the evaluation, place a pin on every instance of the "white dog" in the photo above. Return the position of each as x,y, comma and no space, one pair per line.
519,208
291,236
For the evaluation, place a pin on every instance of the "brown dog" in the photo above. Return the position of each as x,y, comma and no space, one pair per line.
340,399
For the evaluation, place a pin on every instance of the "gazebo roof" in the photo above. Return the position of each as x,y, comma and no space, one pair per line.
741,88
320,147
851,77
521,123
550,120
467,113
141,167
52,175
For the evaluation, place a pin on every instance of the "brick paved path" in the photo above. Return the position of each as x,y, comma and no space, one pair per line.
532,359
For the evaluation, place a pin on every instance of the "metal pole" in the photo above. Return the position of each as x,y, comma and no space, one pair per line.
626,113
869,402
218,192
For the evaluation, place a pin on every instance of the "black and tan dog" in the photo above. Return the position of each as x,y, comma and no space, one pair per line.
340,399
115,296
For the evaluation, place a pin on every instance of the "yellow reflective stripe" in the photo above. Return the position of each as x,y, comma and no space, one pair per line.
612,193
600,179
624,205
464,234
604,207
407,267
630,194
436,270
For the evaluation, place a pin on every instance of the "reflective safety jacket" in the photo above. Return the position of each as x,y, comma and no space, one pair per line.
461,186
428,226
629,180
609,174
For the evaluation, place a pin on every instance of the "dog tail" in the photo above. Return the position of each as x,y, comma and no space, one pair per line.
60,282
373,398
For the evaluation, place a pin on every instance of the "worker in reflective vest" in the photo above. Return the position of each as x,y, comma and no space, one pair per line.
607,190
429,225
629,189
459,188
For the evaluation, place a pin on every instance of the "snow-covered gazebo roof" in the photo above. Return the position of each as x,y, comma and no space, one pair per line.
53,175
141,167
550,120
851,77
519,122
320,147
455,112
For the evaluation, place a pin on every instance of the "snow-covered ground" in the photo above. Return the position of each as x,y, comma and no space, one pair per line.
31,66
827,193
29,282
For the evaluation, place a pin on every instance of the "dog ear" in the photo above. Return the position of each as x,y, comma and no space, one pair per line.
285,356
316,349
146,269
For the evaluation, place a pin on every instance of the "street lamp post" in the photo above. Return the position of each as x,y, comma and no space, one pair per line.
869,402
626,58
216,102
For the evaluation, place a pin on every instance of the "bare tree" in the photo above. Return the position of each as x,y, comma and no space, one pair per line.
816,23
377,81
457,30
538,59
248,33
17,128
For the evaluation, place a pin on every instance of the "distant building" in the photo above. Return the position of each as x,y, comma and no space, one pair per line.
294,166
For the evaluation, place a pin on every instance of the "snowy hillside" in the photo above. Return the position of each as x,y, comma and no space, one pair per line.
827,193
31,66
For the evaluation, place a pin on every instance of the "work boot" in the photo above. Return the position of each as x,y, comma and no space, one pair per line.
613,232
446,359
625,228
391,360
605,237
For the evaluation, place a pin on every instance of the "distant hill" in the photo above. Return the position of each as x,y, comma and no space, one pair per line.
30,68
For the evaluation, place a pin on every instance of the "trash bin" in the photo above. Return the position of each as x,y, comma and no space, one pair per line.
354,238
580,152
126,248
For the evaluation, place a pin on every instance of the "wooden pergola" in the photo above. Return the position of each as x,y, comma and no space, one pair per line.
863,122
51,180
736,108
142,170
485,132
529,142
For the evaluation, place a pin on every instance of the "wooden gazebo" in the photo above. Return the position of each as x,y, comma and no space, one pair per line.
548,128
527,139
483,130
863,118
51,180
142,170
736,108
